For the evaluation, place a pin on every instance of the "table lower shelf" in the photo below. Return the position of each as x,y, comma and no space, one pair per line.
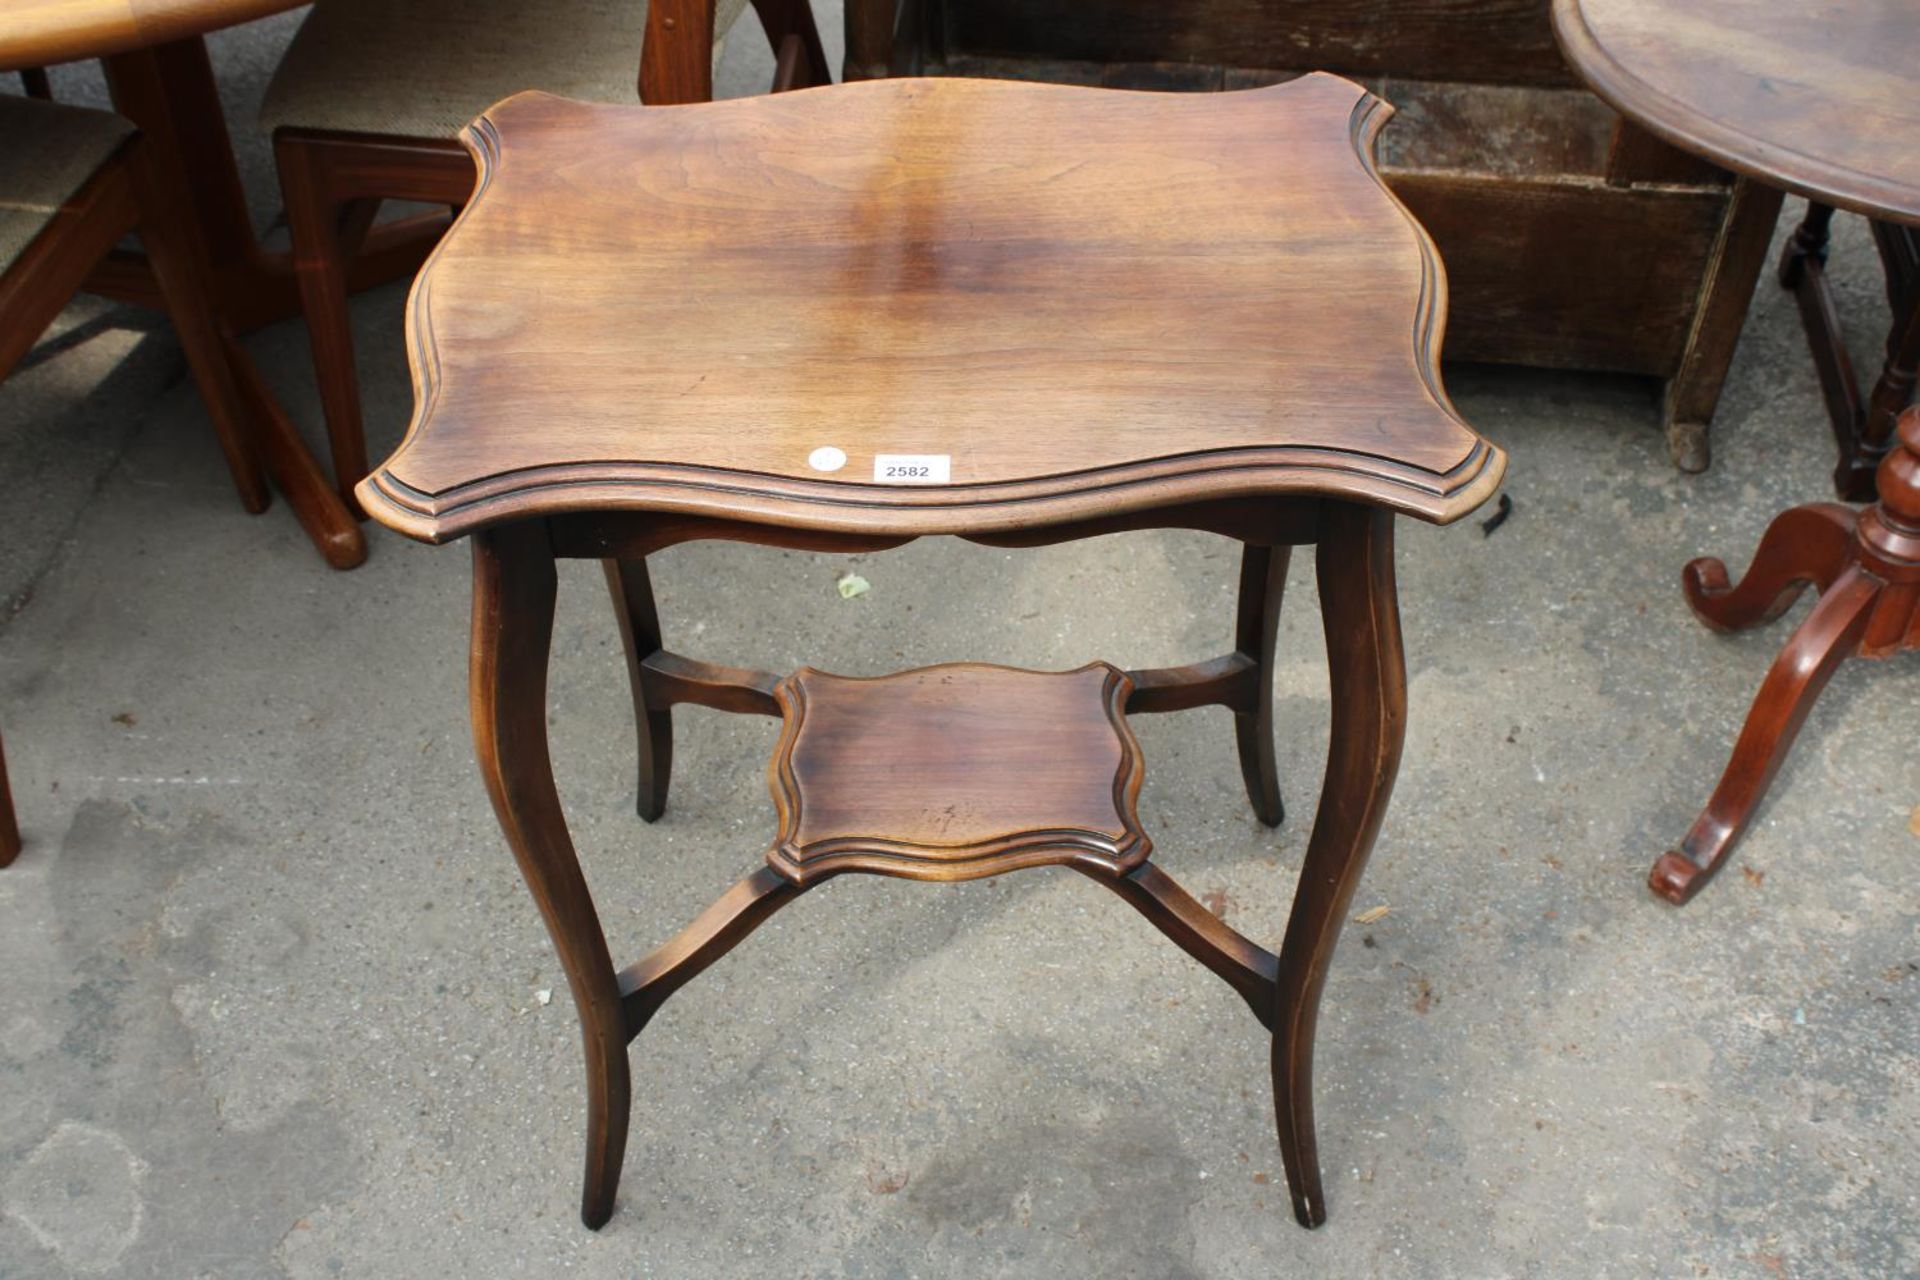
947,773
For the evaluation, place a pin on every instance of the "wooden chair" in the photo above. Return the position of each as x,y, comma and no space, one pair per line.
369,101
73,183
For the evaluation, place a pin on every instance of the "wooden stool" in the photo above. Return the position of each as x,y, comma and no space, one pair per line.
768,320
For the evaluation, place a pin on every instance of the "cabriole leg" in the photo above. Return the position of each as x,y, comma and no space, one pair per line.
632,590
1368,683
513,595
1263,582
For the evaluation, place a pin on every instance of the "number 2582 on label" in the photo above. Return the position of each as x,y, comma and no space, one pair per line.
913,468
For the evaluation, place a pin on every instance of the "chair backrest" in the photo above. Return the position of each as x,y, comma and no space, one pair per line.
65,198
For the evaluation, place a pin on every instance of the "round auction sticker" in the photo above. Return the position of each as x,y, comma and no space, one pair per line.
827,458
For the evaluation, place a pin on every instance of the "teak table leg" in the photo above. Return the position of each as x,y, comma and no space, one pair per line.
168,91
632,590
514,584
315,228
1368,685
1263,581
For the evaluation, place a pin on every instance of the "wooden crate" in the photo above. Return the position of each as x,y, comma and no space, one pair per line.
1572,239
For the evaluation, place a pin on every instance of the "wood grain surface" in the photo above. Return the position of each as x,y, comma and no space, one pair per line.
1502,40
1090,302
38,33
1818,99
956,772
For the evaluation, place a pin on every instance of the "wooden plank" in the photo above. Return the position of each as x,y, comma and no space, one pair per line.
1503,41
1566,275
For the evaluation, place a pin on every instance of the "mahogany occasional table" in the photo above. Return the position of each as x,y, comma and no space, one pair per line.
1821,100
846,318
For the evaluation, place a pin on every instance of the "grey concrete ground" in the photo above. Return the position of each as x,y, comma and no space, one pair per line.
274,1001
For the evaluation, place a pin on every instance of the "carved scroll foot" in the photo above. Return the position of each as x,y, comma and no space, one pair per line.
1828,636
1367,675
1808,545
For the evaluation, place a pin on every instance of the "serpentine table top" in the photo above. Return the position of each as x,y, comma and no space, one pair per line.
1077,302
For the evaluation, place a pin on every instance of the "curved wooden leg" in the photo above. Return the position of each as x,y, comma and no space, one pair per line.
1263,581
319,261
1829,636
1368,682
632,590
1807,545
182,280
513,594
9,826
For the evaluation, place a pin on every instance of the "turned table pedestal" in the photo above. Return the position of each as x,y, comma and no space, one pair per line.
847,318
1820,100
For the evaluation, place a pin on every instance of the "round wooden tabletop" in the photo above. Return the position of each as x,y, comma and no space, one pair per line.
1819,99
40,33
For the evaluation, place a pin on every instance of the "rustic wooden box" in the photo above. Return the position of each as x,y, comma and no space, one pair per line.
1572,239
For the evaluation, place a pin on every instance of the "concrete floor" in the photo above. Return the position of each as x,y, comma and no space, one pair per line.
275,1001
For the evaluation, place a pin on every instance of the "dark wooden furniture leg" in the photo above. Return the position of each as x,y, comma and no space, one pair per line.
9,825
513,597
1862,429
1829,636
1807,243
1868,571
182,279
632,590
1893,389
328,183
1733,271
191,151
792,20
319,265
1368,685
1804,546
1263,582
